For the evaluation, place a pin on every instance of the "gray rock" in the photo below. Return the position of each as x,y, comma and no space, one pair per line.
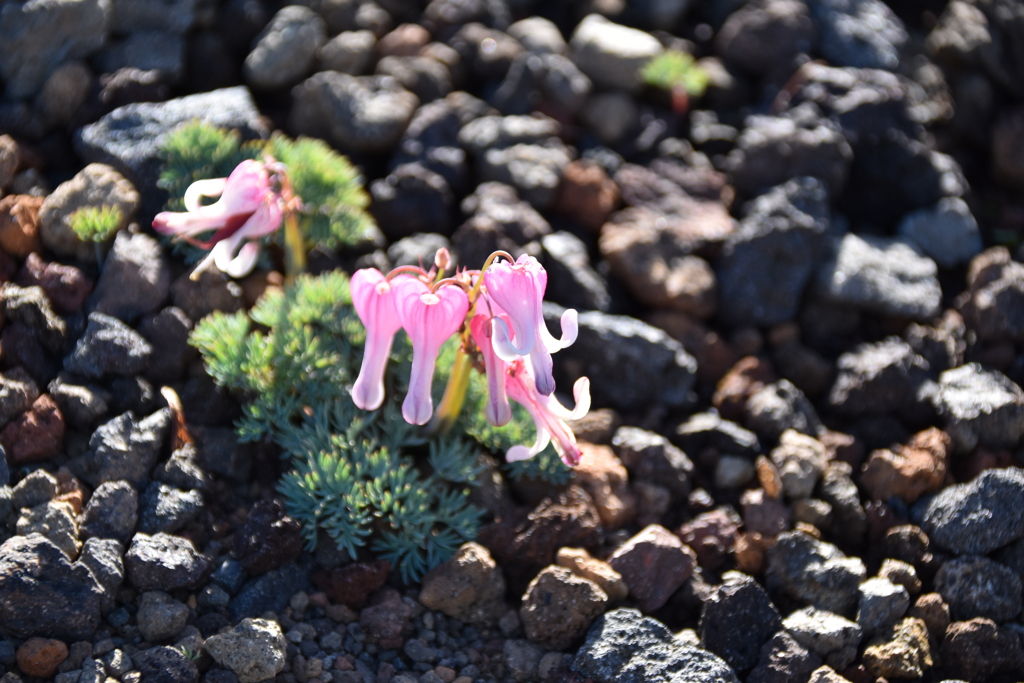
160,617
738,618
355,113
349,52
182,470
630,364
269,592
286,49
56,521
881,604
17,393
828,635
838,490
860,33
774,149
124,448
255,650
708,430
563,84
814,572
39,36
947,232
765,266
572,281
881,275
129,16
425,77
623,646
136,278
213,291
498,132
165,665
37,488
167,332
764,38
117,663
43,594
230,575
165,562
521,659
610,54
130,137
878,379
995,310
30,306
112,512
412,199
976,517
778,407
103,557
539,35
81,405
800,460
418,249
980,406
612,115
168,509
975,586
108,347
782,660
534,170
64,93
159,51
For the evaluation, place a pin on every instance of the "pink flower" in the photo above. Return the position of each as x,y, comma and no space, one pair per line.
497,411
548,415
248,209
518,288
429,318
374,300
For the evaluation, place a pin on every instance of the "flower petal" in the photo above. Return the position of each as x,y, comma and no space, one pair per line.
212,187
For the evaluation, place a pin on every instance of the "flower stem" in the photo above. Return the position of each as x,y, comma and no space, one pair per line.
294,249
454,394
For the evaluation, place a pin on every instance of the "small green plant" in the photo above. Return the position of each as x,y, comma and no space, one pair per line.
96,223
677,72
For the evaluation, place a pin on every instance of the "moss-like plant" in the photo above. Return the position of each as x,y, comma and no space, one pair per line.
96,223
677,72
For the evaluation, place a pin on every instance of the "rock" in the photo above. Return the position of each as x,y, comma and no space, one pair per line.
859,33
580,563
269,539
650,458
979,516
777,407
572,281
711,535
286,49
881,275
136,278
910,471
10,160
838,490
625,358
269,592
35,435
978,649
166,508
160,617
130,137
124,448
800,460
534,170
612,115
522,659
165,665
995,308
167,332
654,564
604,477
30,307
80,405
738,618
468,587
97,185
1005,138
813,572
41,657
980,406
41,36
165,562
801,144
65,286
946,232
128,16
103,558
763,39
42,593
904,652
19,224
762,514
412,199
901,573
975,586
352,584
708,430
880,605
828,635
610,54
559,606
498,220
538,35
108,347
499,132
349,52
355,113
879,378
35,489
425,77
158,52
587,194
783,659
54,520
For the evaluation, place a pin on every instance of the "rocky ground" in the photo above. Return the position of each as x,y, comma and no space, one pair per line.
802,305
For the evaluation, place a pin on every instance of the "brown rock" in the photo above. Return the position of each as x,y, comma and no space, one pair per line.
843,447
19,224
587,194
406,40
469,587
580,563
902,652
604,477
747,377
763,514
978,649
597,426
10,159
910,471
653,502
40,657
768,476
35,435
750,552
386,617
66,286
558,607
714,355
352,584
712,536
654,563
933,610
699,182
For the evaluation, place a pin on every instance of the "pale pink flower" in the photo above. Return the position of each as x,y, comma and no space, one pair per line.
373,297
518,288
497,410
429,318
248,209
549,416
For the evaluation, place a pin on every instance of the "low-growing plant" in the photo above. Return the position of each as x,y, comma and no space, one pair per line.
677,72
96,223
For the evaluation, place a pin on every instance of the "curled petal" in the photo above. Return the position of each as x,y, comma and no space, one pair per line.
212,187
503,346
581,394
570,330
235,265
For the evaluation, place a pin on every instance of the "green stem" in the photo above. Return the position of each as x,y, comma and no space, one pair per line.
294,249
454,394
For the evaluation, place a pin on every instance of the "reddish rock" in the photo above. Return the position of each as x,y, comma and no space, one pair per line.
977,649
587,194
712,536
469,587
35,435
404,41
747,377
764,514
559,606
933,611
654,563
40,657
19,224
604,477
842,447
580,563
911,470
768,476
66,286
352,584
714,355
385,618
750,551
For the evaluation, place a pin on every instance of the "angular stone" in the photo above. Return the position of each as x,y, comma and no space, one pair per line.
469,587
559,606
654,564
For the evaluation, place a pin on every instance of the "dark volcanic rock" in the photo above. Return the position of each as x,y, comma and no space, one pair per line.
108,347
978,649
112,512
165,562
165,665
980,406
813,572
166,508
879,378
269,539
975,586
737,620
784,660
979,516
654,564
270,592
124,448
650,458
